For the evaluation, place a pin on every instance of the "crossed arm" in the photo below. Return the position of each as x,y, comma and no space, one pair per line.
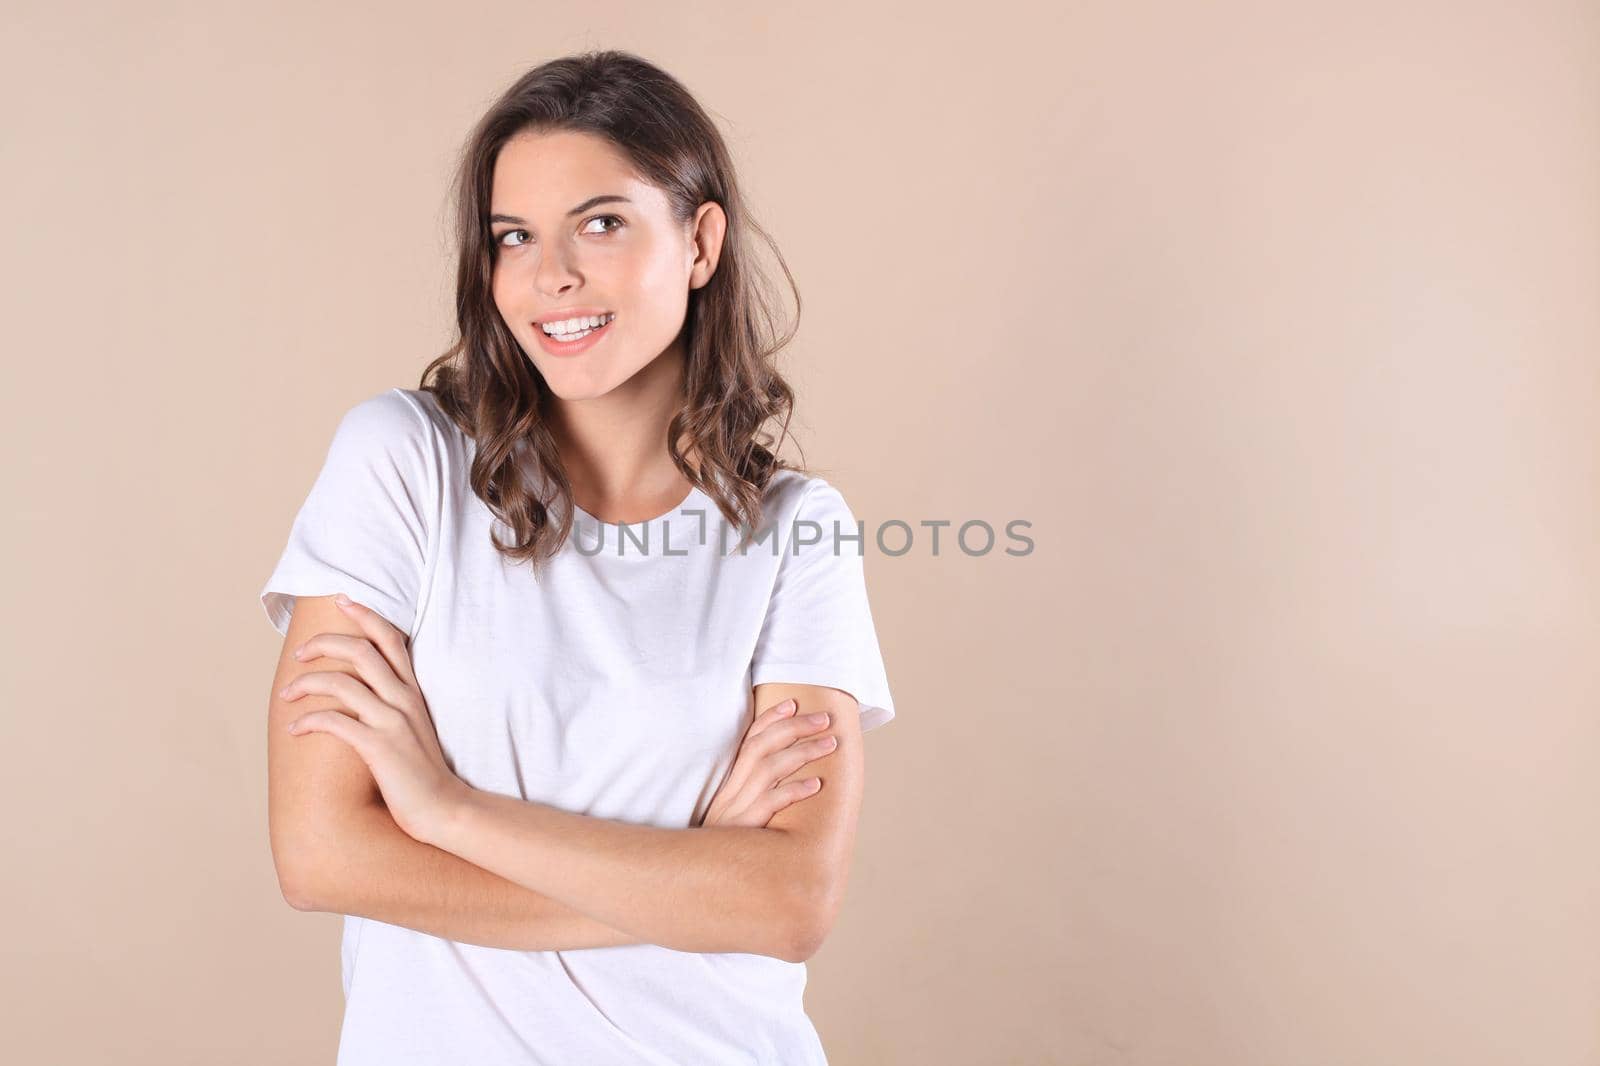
532,877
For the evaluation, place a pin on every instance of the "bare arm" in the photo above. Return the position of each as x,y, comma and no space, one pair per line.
772,889
337,849
708,889
384,873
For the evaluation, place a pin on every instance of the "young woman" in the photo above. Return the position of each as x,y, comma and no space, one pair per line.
559,620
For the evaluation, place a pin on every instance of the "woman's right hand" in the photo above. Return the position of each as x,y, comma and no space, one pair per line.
776,745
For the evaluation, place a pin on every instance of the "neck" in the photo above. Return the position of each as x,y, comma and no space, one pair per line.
614,447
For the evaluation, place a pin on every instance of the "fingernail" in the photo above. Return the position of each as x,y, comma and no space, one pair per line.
283,693
788,706
298,650
342,600
819,718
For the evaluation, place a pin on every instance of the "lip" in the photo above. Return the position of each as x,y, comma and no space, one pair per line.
567,348
570,312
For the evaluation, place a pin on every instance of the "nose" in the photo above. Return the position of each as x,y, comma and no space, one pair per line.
556,270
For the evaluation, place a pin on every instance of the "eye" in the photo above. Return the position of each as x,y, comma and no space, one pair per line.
613,218
500,239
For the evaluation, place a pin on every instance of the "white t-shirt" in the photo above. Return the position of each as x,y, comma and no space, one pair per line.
616,684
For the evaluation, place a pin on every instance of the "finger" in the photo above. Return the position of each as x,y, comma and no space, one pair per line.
797,790
782,763
337,724
391,641
749,775
763,772
775,800
737,783
785,731
776,713
351,692
799,727
371,664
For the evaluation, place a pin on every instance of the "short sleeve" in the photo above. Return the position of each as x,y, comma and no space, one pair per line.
818,629
365,527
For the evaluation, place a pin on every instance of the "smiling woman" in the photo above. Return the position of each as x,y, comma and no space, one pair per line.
578,805
598,193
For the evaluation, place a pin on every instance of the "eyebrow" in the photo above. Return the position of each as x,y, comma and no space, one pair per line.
593,201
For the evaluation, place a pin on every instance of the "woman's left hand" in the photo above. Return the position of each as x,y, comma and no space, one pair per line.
388,723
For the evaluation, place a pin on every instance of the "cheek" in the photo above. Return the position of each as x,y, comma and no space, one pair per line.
662,288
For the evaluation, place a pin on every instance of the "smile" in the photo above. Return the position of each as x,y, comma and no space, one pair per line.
574,335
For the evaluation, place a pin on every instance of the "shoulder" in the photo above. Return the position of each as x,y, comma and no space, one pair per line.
426,405
386,436
798,495
806,508
396,423
392,417
785,494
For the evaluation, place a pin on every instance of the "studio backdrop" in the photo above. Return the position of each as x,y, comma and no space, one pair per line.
1216,390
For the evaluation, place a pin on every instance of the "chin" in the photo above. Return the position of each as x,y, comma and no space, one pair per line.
574,386
578,395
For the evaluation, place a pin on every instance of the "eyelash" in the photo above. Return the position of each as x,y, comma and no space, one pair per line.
500,238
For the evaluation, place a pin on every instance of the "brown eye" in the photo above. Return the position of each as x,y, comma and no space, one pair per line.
612,218
501,240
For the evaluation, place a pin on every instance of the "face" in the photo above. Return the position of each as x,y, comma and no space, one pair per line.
575,233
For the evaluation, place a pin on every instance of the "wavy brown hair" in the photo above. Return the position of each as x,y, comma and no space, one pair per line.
732,388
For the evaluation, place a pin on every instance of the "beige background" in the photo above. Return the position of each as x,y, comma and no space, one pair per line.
1277,321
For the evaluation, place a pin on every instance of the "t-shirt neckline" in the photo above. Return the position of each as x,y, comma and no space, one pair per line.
694,495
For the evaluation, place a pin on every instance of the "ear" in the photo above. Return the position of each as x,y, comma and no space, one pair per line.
709,227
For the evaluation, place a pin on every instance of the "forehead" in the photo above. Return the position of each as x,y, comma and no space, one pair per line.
549,173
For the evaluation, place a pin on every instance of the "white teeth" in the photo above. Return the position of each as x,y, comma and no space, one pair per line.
570,328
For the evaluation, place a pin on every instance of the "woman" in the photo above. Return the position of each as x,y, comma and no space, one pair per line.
584,845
